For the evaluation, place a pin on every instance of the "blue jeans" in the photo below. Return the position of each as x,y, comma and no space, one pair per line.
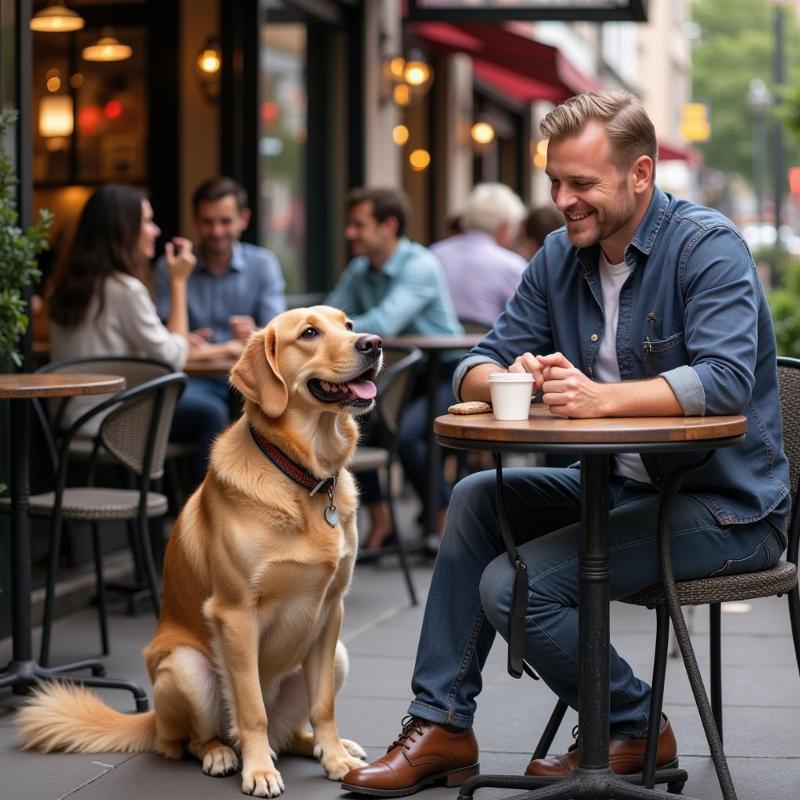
202,413
471,587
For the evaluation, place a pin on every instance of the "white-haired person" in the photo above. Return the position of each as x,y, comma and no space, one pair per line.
481,269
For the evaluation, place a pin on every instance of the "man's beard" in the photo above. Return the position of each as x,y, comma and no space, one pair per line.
606,228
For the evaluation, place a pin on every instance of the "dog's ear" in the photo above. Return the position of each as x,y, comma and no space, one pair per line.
256,374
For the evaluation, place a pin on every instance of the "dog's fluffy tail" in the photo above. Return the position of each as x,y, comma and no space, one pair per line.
59,716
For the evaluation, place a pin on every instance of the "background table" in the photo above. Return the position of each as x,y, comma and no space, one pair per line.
23,672
434,347
597,440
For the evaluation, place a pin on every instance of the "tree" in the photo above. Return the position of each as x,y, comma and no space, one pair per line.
18,251
734,45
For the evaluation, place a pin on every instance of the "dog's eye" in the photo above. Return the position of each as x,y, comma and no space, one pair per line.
309,333
348,325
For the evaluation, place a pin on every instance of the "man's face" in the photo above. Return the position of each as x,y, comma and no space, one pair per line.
365,235
597,195
219,225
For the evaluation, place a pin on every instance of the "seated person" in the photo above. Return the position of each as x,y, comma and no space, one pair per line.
481,270
100,306
680,283
393,287
540,221
235,288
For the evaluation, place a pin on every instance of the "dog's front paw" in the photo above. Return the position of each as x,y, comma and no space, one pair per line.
262,782
354,748
337,767
220,761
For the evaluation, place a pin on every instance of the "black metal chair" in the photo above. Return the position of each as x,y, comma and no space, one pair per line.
394,388
778,580
134,430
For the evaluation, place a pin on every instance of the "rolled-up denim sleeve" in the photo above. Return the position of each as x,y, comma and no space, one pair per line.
721,322
688,389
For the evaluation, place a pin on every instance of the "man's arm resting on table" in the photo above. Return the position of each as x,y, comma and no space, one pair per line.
571,393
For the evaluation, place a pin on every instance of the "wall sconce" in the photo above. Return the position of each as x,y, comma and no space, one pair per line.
482,134
208,67
406,80
55,17
107,48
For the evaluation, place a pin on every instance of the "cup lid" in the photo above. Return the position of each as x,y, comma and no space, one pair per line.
510,377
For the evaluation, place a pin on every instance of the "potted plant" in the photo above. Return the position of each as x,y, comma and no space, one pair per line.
18,251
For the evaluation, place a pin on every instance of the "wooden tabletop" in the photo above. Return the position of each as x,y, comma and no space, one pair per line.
544,428
448,341
210,367
57,384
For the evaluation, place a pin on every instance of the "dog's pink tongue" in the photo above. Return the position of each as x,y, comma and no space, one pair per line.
363,390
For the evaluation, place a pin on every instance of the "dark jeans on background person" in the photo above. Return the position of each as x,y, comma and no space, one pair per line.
470,590
412,444
202,413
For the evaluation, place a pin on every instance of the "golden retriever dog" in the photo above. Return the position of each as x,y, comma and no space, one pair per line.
246,652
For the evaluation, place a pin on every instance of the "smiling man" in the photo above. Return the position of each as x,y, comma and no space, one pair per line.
234,289
644,305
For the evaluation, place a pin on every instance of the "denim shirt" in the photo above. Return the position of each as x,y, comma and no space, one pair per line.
407,295
693,312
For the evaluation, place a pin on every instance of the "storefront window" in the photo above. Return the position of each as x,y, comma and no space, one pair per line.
283,132
90,116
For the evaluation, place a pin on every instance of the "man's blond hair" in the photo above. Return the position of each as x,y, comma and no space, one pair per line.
630,130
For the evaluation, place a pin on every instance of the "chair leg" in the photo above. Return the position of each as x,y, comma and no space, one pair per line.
50,592
102,614
715,643
656,695
149,563
401,549
550,730
794,620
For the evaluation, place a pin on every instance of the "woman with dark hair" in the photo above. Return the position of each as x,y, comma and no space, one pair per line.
100,306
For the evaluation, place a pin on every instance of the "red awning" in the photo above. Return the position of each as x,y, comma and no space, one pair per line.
668,151
525,69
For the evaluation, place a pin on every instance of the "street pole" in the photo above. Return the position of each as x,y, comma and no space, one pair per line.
778,153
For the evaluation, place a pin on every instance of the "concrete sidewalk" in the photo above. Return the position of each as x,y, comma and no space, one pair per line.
761,692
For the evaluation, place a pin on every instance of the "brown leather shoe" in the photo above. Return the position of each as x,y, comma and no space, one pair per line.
424,753
625,756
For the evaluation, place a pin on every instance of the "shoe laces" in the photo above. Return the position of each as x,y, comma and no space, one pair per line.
411,725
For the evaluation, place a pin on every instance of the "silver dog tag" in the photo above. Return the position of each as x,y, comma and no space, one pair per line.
331,515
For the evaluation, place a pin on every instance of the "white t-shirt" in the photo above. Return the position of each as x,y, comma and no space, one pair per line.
606,368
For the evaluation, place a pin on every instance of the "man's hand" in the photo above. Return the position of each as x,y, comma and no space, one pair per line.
200,336
181,261
529,363
241,327
567,391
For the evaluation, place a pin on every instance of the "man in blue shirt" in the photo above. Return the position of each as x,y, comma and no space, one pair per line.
394,287
644,305
235,288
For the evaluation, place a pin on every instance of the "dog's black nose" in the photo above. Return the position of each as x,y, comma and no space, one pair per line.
369,343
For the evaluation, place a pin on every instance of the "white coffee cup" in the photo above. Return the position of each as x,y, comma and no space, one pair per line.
511,394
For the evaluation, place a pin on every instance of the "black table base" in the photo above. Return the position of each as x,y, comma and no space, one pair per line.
23,673
589,783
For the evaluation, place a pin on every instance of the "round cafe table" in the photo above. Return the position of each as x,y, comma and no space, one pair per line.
597,440
23,672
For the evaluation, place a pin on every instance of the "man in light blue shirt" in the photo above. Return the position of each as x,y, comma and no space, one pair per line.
234,289
394,287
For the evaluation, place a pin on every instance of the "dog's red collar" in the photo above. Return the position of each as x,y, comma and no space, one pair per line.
292,469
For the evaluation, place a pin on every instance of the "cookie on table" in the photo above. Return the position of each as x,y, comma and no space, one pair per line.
470,407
